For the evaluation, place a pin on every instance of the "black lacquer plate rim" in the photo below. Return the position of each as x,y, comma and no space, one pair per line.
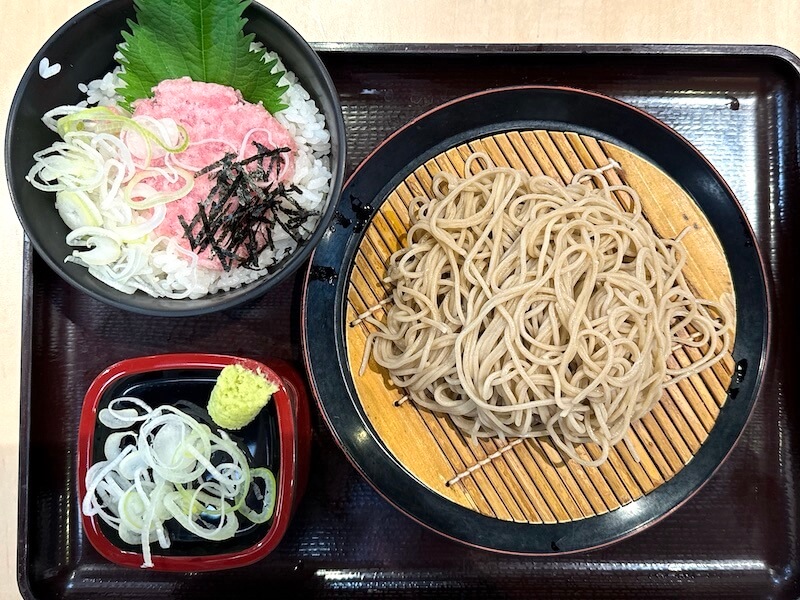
478,115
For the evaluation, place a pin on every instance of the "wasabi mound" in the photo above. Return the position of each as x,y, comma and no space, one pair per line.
238,396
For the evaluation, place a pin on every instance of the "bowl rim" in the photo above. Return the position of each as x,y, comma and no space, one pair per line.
287,479
218,300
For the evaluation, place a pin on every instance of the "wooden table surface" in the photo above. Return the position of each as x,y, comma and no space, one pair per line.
26,24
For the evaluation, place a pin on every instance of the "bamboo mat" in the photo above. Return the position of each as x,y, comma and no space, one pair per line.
531,482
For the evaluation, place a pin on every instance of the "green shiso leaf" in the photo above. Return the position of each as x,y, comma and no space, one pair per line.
202,39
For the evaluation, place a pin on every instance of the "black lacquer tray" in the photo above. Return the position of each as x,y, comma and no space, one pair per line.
736,538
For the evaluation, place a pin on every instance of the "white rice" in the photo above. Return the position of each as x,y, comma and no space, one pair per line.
173,271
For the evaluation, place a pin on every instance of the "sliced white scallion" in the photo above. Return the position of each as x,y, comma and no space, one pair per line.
101,119
73,165
90,505
114,443
51,117
104,245
129,233
163,464
149,196
226,529
116,416
77,210
270,490
131,464
91,170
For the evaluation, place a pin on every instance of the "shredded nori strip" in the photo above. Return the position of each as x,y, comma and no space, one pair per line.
237,218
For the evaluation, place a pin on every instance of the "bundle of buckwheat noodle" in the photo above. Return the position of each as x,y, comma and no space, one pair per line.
523,308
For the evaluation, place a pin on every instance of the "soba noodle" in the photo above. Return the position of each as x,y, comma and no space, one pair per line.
524,308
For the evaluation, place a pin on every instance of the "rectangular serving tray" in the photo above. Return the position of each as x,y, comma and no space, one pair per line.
737,538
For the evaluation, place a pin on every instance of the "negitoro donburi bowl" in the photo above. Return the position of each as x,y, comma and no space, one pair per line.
84,47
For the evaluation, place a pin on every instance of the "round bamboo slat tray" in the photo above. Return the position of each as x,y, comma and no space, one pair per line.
530,481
